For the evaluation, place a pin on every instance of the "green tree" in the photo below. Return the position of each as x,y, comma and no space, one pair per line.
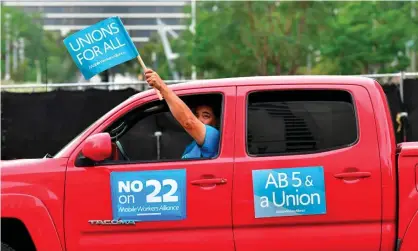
255,38
366,37
278,38
43,49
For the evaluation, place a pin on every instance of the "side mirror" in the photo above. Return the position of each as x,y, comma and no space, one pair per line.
97,147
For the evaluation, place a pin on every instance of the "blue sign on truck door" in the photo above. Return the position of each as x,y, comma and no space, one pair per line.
149,195
289,192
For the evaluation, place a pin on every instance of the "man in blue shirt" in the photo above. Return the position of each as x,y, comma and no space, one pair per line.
200,126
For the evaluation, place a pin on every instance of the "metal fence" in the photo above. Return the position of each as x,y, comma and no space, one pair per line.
138,85
396,78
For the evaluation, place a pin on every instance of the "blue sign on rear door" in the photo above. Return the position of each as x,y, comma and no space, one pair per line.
289,192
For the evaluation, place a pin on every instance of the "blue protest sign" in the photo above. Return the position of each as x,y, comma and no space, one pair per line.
149,195
289,192
100,46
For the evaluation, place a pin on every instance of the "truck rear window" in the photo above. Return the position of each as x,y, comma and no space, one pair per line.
299,121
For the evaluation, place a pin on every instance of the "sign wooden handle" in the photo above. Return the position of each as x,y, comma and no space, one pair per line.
145,68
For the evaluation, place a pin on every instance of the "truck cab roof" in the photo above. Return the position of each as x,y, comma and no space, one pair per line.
269,80
263,80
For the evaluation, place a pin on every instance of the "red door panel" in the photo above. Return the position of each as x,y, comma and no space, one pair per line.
208,221
352,220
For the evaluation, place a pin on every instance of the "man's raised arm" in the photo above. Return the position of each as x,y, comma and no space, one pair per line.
178,108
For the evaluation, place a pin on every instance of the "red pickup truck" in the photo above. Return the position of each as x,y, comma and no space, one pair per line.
304,164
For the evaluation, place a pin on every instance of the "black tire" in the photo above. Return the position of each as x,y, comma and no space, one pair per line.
5,247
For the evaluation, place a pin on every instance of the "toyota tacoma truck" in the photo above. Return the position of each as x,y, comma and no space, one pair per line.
305,163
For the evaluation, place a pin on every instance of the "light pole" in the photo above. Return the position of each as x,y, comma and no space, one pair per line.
7,28
193,24
413,54
410,52
414,60
15,49
21,50
193,30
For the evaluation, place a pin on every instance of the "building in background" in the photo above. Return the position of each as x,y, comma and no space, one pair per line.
139,17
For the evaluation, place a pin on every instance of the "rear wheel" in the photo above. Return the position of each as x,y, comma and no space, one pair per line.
5,247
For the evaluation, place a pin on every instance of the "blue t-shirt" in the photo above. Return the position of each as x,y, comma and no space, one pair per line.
209,148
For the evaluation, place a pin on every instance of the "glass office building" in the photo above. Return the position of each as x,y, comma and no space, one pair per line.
139,17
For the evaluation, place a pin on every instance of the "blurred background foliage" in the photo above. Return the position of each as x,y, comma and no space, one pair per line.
44,50
235,38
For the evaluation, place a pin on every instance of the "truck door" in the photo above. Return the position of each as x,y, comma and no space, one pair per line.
307,170
175,204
